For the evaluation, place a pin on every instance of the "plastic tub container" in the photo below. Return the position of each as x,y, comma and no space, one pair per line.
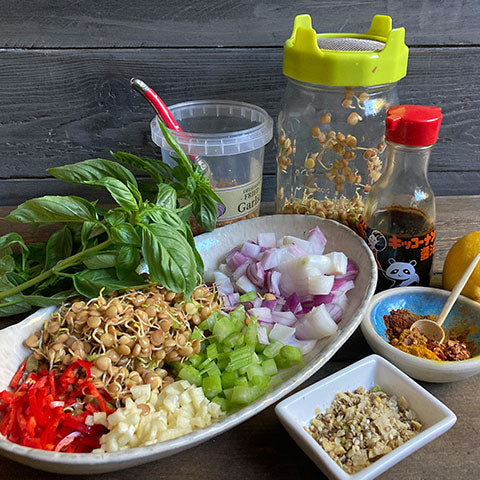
230,137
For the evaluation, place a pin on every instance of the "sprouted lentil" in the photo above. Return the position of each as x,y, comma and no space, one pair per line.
130,337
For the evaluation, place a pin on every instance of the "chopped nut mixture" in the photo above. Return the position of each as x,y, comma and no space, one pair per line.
361,427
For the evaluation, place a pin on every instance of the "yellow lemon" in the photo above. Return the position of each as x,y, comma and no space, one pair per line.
458,259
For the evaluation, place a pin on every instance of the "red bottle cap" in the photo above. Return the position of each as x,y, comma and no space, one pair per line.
413,125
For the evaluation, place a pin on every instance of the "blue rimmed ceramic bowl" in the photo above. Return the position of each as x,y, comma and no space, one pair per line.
464,319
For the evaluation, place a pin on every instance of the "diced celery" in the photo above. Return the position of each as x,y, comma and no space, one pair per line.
228,393
228,379
282,362
196,359
260,381
248,297
190,374
234,340
243,394
259,348
243,370
212,386
251,334
240,357
253,370
272,349
175,366
223,360
238,318
222,402
209,322
293,354
204,364
240,381
269,367
223,328
212,352
196,334
210,369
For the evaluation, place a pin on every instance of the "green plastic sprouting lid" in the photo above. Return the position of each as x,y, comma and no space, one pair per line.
377,57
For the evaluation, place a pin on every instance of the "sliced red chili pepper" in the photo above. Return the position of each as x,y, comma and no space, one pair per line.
18,376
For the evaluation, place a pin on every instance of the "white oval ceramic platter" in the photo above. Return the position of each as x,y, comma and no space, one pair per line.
212,247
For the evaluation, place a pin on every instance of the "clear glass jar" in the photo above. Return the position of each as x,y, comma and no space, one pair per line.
330,144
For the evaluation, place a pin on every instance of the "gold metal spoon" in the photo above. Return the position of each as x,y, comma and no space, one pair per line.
433,330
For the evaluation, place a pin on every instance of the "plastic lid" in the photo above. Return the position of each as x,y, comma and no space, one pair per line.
414,125
377,57
221,118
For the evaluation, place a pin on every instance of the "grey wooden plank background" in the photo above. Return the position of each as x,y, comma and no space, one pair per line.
65,66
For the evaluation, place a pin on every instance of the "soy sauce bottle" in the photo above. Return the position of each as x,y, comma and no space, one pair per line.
398,221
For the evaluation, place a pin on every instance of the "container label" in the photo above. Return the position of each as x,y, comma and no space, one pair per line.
240,200
401,260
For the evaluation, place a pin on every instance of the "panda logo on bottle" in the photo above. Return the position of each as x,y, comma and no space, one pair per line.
402,274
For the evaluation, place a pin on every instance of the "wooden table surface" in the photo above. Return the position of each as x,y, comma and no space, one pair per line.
261,449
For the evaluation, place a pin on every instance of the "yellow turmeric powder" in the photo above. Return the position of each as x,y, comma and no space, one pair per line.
416,344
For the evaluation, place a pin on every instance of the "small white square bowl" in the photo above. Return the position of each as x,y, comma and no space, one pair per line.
297,411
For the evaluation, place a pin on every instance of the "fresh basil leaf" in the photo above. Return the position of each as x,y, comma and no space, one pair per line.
205,210
54,209
198,258
170,259
13,306
90,230
181,174
11,239
16,278
128,260
101,260
116,217
90,282
148,190
119,191
167,218
125,234
183,158
191,185
43,301
91,171
7,264
166,196
184,213
136,192
158,170
37,252
59,247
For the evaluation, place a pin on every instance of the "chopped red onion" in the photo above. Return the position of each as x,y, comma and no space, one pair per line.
285,318
224,285
256,274
335,311
262,335
281,333
269,304
295,250
250,249
351,273
240,271
315,324
267,240
274,257
231,253
317,241
273,282
236,260
263,314
257,302
292,304
231,299
305,346
342,285
300,244
245,285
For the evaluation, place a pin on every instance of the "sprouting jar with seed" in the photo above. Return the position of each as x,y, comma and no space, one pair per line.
331,124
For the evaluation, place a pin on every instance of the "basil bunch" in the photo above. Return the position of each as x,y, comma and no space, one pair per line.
100,250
